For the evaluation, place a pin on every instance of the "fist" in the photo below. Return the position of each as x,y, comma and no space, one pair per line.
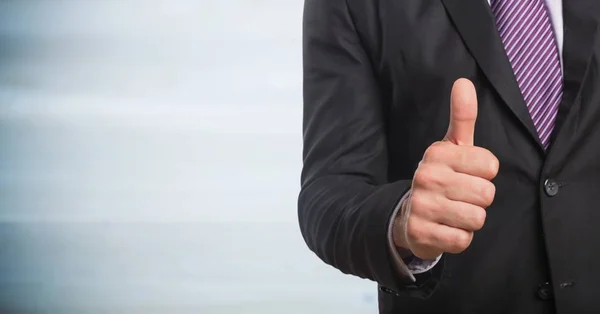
451,188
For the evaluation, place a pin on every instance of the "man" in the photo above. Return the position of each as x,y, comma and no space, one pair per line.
452,151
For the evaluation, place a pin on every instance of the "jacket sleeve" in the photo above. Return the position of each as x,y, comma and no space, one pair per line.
346,202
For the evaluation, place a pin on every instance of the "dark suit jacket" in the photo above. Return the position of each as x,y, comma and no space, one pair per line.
377,81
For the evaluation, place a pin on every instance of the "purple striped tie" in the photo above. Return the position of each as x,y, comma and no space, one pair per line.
529,40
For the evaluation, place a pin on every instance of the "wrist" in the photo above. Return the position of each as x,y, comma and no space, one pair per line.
400,222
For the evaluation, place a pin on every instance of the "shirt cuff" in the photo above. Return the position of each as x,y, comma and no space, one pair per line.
415,265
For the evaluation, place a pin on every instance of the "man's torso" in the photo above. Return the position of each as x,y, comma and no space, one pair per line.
536,231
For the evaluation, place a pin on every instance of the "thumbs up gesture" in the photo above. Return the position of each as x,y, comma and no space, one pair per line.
451,188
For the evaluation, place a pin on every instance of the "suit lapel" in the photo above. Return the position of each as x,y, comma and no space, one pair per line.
580,31
475,23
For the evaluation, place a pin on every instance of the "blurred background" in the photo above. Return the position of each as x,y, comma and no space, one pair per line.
150,153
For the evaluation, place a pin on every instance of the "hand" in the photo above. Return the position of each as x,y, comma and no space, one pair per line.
451,188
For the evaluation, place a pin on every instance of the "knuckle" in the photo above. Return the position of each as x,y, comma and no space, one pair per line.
479,218
461,241
489,193
493,166
423,175
434,151
487,161
417,203
414,231
428,175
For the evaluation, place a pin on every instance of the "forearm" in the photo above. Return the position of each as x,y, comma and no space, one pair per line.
345,220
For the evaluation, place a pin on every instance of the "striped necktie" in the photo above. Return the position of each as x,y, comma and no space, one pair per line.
530,44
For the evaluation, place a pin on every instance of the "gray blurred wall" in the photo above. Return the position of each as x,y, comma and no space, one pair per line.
149,161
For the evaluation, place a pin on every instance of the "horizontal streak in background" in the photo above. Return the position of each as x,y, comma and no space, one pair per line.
150,154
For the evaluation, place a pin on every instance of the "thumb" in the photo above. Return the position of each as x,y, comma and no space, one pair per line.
463,113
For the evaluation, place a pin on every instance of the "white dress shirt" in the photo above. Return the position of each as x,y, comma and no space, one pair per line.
417,266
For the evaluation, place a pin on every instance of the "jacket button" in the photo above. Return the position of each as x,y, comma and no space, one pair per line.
544,291
551,187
